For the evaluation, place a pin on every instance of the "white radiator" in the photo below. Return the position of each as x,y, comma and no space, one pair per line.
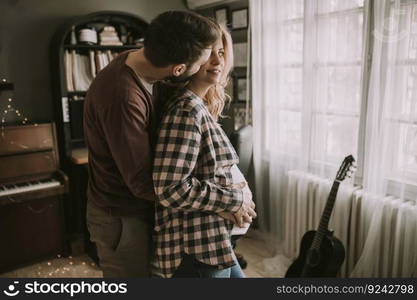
379,235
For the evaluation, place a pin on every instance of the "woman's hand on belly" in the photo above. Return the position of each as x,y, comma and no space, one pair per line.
227,216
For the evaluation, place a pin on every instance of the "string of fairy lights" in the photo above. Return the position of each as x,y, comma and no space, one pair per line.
9,110
60,267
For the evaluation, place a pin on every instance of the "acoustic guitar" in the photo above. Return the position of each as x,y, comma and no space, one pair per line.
322,254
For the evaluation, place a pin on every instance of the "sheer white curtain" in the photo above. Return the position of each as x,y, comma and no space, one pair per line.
319,94
390,165
391,132
306,76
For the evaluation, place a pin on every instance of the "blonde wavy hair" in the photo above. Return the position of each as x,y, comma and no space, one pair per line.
216,99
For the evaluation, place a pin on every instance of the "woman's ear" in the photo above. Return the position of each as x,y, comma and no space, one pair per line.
178,70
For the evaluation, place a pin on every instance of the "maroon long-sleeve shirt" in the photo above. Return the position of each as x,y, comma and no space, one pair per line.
119,123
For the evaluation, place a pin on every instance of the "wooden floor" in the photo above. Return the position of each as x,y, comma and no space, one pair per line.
261,263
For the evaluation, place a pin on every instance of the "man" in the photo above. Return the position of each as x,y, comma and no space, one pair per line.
120,117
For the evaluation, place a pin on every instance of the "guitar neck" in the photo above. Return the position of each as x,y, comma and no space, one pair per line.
324,221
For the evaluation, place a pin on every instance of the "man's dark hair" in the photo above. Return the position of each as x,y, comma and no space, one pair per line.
178,37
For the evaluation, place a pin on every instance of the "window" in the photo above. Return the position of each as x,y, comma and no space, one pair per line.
403,115
332,77
337,74
332,82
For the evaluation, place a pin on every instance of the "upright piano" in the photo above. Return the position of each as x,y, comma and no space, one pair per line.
32,189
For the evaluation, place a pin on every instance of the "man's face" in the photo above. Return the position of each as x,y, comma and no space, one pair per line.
194,68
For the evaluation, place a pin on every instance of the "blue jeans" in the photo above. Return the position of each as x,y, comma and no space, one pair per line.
192,268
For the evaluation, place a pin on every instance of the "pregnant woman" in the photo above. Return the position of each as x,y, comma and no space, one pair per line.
201,192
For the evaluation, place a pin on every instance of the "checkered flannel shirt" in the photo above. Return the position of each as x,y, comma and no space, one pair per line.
192,180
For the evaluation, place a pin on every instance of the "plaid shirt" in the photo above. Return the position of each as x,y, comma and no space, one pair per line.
193,181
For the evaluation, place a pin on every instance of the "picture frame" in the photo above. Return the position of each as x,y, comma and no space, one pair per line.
241,89
240,56
239,117
221,14
240,18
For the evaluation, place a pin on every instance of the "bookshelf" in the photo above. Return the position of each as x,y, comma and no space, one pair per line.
68,102
236,16
69,49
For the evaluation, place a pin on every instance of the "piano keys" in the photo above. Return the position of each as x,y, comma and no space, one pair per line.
32,190
13,189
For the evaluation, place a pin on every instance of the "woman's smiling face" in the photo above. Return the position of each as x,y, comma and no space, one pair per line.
211,72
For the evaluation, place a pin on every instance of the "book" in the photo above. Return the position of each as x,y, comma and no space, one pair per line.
109,37
97,61
92,63
109,55
81,74
68,71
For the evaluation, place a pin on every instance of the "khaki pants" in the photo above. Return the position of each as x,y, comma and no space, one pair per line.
124,244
